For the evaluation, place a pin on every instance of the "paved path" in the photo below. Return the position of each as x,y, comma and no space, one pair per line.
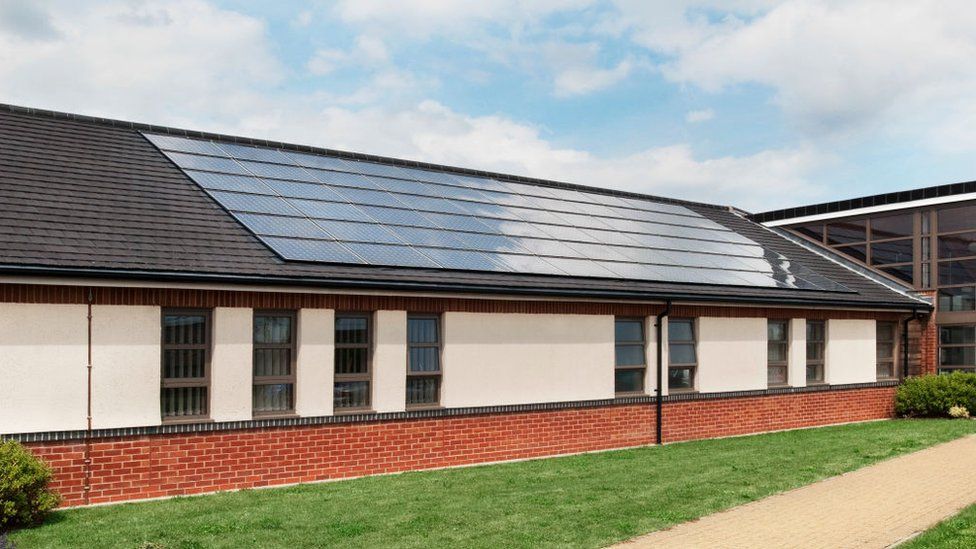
876,506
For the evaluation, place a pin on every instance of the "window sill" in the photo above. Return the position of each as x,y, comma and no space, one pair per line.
187,421
681,391
778,385
352,411
816,383
630,394
283,415
422,407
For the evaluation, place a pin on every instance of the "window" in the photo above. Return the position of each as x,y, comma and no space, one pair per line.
954,248
423,360
185,393
273,391
845,232
814,231
957,299
630,363
887,243
352,362
886,350
957,348
892,226
957,219
777,352
816,344
682,359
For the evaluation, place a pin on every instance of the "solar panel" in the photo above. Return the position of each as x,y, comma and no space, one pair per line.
323,208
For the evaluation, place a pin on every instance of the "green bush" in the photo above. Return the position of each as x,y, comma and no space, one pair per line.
932,396
24,495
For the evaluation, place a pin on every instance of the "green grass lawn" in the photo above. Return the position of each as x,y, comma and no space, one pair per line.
958,532
581,501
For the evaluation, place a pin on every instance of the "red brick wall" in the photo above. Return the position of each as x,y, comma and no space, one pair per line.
928,345
698,419
167,465
923,341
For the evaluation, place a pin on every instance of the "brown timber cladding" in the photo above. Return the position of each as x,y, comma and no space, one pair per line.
197,298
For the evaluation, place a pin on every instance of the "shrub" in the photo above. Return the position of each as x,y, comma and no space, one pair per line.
934,395
24,495
959,412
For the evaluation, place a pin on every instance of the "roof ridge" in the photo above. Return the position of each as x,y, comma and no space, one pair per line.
167,130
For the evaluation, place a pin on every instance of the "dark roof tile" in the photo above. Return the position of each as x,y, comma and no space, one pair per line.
77,194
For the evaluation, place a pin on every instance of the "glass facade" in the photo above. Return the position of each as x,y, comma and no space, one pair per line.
929,248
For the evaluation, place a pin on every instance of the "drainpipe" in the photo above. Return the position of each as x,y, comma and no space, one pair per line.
660,368
904,342
86,488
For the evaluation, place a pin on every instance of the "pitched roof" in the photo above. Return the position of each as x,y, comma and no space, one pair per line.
94,197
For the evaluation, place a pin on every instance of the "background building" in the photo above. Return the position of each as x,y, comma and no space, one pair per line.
925,238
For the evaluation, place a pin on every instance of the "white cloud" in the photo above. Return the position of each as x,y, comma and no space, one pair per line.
507,33
421,18
583,80
372,48
703,115
368,52
189,64
325,61
127,59
835,67
303,19
432,132
26,20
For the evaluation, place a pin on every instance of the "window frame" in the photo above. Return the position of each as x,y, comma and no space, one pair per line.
348,378
948,368
821,363
785,363
643,345
439,374
276,380
194,382
894,351
693,366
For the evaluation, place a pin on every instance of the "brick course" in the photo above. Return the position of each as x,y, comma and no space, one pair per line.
138,467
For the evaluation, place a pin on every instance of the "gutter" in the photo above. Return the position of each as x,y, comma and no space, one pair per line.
347,283
658,325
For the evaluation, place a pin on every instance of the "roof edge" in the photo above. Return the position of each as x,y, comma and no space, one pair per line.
894,200
151,128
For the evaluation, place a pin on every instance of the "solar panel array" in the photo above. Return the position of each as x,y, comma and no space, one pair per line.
322,208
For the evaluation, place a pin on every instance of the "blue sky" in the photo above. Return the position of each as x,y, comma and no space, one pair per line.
755,103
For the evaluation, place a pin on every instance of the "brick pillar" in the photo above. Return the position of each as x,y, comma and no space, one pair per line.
923,343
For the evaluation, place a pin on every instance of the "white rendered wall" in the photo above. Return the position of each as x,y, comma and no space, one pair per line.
389,361
650,336
43,374
798,353
665,357
492,358
851,351
126,355
731,354
230,364
315,368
